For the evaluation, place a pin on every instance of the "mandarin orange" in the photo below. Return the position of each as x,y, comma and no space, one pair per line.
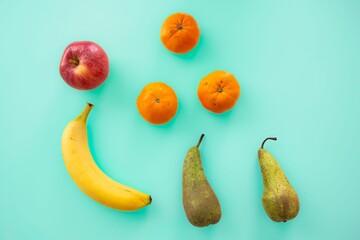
219,91
157,103
180,33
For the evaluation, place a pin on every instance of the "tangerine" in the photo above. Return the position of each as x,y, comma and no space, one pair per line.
157,103
180,33
219,91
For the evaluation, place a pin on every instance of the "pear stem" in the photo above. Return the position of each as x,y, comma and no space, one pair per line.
199,142
269,138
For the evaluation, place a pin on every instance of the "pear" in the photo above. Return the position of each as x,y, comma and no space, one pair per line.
279,198
201,205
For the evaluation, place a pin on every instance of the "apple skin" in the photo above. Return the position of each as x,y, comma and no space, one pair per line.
84,65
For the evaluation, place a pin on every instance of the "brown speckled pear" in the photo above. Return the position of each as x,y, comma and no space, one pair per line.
201,205
279,199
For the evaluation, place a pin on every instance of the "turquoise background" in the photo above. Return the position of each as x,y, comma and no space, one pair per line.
298,63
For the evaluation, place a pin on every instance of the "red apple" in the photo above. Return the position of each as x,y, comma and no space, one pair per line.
84,65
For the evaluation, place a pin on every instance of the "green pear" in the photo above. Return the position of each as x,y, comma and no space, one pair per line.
201,205
279,198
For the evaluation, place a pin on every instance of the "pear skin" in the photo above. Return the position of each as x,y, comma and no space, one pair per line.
200,203
279,198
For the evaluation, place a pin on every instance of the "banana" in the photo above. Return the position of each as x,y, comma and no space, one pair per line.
88,176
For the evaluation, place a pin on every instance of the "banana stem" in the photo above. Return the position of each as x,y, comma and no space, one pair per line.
85,113
269,138
199,142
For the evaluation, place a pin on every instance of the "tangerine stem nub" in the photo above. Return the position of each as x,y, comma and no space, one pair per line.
199,142
269,138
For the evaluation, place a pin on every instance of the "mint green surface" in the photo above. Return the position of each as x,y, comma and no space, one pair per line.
298,63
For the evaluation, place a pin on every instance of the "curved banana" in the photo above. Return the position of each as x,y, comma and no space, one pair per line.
88,176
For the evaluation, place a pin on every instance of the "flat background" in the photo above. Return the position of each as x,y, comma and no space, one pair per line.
298,63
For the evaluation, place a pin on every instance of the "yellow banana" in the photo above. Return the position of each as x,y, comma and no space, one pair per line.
88,176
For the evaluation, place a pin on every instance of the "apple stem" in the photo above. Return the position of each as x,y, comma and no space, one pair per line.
201,138
74,61
269,138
